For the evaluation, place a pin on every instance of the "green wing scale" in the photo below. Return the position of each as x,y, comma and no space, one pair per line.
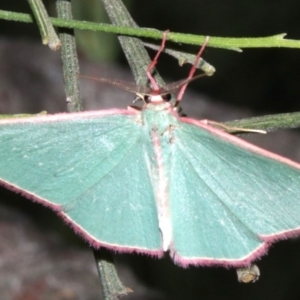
89,170
235,200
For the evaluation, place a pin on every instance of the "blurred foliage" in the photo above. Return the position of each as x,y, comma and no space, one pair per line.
97,46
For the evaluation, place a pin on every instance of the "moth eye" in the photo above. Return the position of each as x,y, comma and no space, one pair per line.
147,98
167,97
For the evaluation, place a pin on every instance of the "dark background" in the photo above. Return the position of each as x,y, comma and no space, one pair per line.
259,81
263,79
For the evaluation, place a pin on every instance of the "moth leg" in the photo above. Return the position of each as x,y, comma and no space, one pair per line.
192,71
154,61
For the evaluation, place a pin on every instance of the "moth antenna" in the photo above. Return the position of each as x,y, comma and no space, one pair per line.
154,62
192,71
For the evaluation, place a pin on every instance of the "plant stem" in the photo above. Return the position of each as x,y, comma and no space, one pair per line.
18,116
49,36
69,59
133,48
192,39
112,286
184,58
269,122
138,60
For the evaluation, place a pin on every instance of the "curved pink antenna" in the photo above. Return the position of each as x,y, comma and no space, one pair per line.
156,89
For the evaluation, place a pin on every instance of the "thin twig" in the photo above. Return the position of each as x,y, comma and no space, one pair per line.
229,43
133,48
49,36
69,59
269,123
184,58
112,287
